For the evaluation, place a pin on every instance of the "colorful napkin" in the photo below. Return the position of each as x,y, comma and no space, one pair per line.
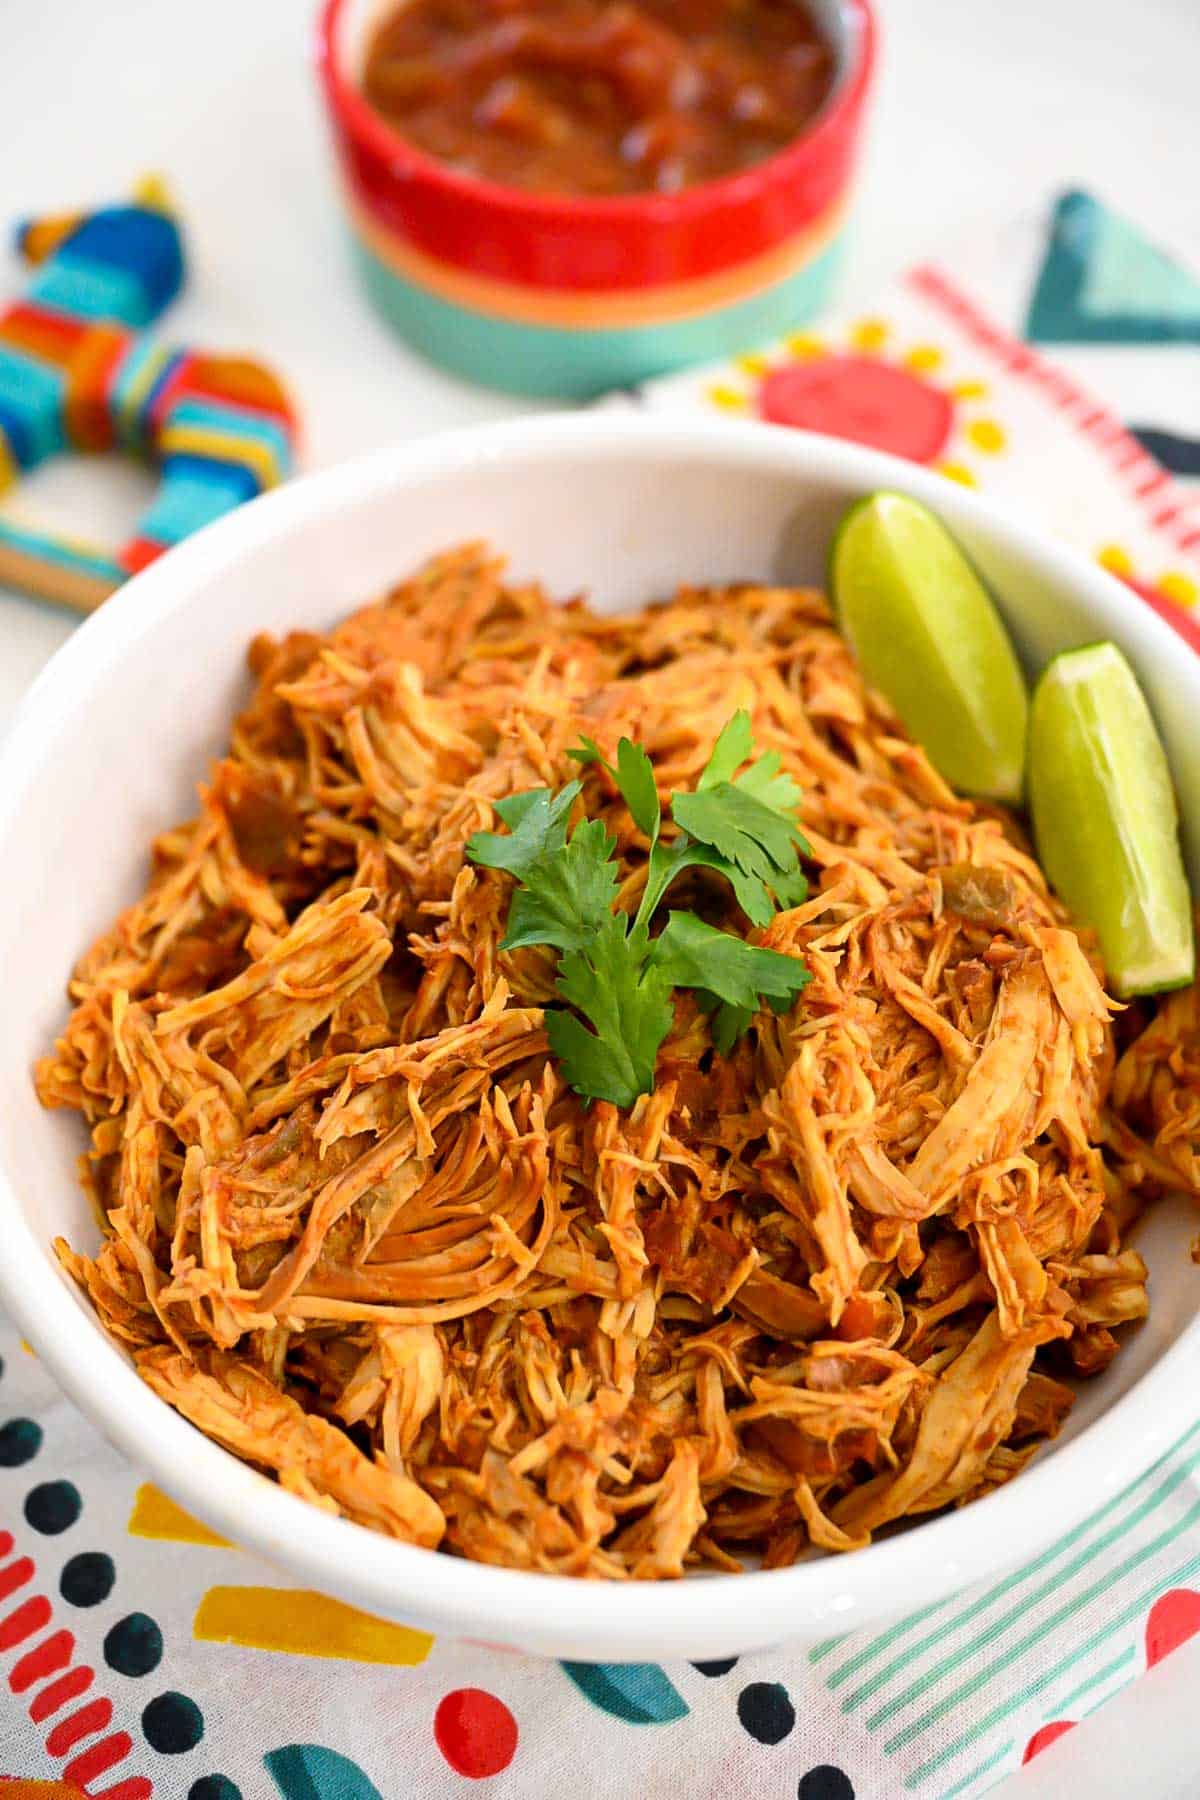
141,1655
1091,440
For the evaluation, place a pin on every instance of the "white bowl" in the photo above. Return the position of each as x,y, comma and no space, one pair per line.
106,751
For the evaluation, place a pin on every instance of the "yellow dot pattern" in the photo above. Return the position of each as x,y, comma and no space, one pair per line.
869,334
727,398
1116,560
923,359
1180,588
987,436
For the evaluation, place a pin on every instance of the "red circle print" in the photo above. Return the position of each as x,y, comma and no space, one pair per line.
475,1732
858,398
1174,1618
1045,1736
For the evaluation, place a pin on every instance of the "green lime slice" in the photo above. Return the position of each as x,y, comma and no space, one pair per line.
1105,819
927,635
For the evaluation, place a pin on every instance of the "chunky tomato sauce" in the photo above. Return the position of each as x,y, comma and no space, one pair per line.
599,96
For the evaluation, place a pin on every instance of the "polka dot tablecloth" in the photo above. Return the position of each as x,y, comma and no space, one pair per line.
140,1654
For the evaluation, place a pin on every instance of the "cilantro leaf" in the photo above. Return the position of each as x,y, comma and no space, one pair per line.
618,981
566,890
627,1002
695,955
634,776
752,894
589,751
666,862
730,751
725,821
754,876
568,896
762,781
537,823
790,887
669,861
752,834
748,821
726,1023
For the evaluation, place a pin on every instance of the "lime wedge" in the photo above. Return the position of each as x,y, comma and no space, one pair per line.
927,635
1105,819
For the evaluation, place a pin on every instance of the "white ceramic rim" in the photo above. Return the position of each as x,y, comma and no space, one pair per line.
692,1618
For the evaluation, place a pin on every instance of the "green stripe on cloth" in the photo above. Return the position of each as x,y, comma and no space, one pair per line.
978,1772
955,1658
1085,1687
869,1651
861,1657
979,1643
1006,1707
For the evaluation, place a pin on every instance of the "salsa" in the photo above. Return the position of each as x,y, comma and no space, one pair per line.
599,96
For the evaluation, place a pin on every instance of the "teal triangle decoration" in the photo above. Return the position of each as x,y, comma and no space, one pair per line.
1101,283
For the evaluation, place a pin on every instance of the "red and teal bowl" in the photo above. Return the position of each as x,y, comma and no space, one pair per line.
555,295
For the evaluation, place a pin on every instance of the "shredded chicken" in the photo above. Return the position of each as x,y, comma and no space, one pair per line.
357,1228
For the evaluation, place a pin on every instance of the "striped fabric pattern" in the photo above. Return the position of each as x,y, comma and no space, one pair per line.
948,1693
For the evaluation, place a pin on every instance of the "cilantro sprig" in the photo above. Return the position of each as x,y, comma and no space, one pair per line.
618,978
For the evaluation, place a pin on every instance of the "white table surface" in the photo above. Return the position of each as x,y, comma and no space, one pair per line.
983,105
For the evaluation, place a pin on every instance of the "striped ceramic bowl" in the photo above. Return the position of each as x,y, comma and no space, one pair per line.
553,294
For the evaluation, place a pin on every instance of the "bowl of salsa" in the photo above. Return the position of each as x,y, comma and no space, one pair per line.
564,196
